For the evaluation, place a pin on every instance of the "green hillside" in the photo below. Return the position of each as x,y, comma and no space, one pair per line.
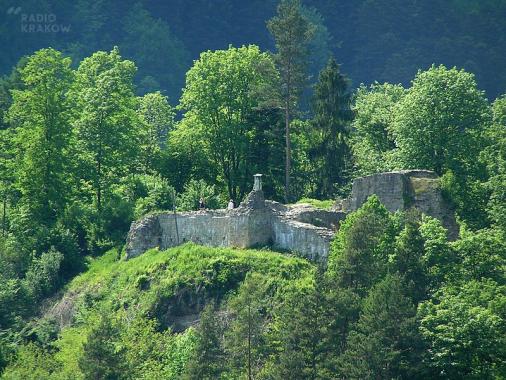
141,298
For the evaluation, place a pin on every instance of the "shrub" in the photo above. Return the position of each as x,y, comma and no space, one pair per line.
193,191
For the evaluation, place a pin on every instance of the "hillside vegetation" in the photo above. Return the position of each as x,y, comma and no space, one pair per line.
140,300
90,142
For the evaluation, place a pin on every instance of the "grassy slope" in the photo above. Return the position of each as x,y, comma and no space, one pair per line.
147,284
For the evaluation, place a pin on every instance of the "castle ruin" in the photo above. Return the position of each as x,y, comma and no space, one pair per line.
301,229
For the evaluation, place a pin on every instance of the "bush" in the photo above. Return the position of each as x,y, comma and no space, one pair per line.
43,275
159,195
193,191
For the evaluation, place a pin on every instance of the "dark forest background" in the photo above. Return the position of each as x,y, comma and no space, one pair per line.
373,40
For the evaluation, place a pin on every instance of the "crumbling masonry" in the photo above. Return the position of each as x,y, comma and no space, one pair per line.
301,229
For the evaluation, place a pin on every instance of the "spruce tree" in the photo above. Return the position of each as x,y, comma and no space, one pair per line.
244,340
102,359
332,115
301,332
385,343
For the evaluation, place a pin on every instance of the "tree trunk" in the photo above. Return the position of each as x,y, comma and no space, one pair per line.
288,157
249,343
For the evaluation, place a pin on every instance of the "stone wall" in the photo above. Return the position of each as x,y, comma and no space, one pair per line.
255,223
301,229
402,190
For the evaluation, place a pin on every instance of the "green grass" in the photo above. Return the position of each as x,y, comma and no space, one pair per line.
144,286
322,204
139,284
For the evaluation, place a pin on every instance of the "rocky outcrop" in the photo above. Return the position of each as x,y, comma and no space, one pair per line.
301,229
402,190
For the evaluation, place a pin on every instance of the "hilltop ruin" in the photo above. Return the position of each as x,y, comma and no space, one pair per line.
301,229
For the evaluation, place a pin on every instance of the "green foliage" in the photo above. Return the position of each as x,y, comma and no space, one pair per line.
299,332
40,113
207,362
105,125
42,277
222,89
408,260
329,151
110,321
102,358
373,140
188,200
360,250
323,204
382,343
152,44
494,156
157,195
439,123
439,259
81,156
465,328
32,362
482,256
293,33
245,339
158,119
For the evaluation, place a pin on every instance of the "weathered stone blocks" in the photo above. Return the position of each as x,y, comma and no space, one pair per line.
301,229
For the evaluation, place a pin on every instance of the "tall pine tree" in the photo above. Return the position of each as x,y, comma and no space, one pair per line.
292,33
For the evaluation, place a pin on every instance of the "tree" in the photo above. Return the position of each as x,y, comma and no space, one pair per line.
244,339
407,259
332,114
372,140
464,326
440,122
157,117
494,157
222,90
292,33
208,358
102,358
40,115
152,45
105,125
360,250
300,330
384,343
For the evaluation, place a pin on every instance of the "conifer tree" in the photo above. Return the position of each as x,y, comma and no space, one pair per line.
208,359
332,115
244,341
292,33
102,359
301,332
385,342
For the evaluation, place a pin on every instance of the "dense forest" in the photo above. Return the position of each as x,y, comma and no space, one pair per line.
122,109
374,40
